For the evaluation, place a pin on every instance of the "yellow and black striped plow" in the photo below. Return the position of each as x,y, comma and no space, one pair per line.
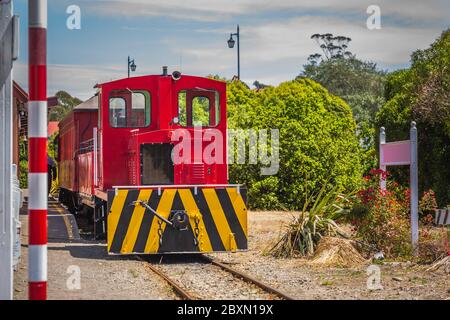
217,220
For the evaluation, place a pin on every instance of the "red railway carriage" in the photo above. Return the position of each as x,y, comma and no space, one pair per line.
148,156
74,132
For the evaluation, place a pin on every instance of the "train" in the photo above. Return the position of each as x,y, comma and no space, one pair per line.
146,157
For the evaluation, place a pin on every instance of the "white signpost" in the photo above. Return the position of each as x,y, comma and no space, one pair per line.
404,153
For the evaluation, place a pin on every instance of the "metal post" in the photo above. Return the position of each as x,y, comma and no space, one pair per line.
6,212
128,64
414,181
382,167
238,54
37,150
95,154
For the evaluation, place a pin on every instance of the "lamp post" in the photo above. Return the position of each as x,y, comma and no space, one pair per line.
231,43
131,66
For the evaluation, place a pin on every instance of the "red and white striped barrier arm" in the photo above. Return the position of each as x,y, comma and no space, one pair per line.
37,150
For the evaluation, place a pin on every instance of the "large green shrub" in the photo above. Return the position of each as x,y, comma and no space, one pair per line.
422,94
317,146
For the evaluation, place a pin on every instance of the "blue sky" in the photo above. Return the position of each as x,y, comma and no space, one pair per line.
191,35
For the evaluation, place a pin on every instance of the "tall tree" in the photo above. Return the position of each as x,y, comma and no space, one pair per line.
359,83
65,104
332,47
259,85
422,94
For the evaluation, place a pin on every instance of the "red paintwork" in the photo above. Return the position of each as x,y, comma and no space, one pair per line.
73,130
86,176
37,230
36,164
119,148
37,290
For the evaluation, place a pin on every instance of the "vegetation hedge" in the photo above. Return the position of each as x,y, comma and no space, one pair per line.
317,142
422,94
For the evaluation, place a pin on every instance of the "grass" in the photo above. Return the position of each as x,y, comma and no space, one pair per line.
316,220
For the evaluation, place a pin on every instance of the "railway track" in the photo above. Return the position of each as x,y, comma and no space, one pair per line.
185,291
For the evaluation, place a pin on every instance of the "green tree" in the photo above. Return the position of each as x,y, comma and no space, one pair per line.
259,85
332,47
317,141
359,83
65,104
422,94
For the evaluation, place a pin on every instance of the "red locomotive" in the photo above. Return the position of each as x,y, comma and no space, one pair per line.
148,156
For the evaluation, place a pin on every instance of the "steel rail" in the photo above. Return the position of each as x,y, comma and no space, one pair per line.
248,278
175,286
183,293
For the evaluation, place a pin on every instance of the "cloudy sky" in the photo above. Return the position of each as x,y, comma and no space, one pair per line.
191,35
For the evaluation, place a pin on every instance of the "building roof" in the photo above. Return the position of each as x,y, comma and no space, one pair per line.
89,104
19,93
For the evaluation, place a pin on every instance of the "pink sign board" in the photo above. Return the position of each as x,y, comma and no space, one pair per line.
396,153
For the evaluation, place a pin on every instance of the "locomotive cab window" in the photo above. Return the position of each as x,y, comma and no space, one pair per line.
198,108
129,109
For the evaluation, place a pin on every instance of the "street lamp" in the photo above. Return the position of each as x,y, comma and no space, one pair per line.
231,43
131,66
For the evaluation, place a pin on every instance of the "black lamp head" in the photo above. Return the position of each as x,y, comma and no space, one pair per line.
133,66
231,42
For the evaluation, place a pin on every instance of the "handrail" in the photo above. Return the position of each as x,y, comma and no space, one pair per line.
173,186
177,186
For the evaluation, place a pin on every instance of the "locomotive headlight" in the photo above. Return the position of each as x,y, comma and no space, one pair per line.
176,75
175,120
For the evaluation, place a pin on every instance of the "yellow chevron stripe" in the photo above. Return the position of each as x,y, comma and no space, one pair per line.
218,216
239,207
193,211
114,215
165,204
135,223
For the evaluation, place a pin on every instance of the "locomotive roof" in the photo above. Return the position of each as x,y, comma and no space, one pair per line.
155,76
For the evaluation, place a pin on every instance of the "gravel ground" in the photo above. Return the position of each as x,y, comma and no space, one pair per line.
206,281
101,276
302,280
114,277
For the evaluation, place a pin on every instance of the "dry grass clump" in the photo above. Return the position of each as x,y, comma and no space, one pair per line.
302,235
337,252
316,220
443,264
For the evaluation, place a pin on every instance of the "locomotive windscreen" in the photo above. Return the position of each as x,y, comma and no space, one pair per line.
156,164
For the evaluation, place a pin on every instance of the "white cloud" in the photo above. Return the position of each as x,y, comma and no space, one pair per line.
219,10
276,51
270,53
273,47
291,39
78,80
